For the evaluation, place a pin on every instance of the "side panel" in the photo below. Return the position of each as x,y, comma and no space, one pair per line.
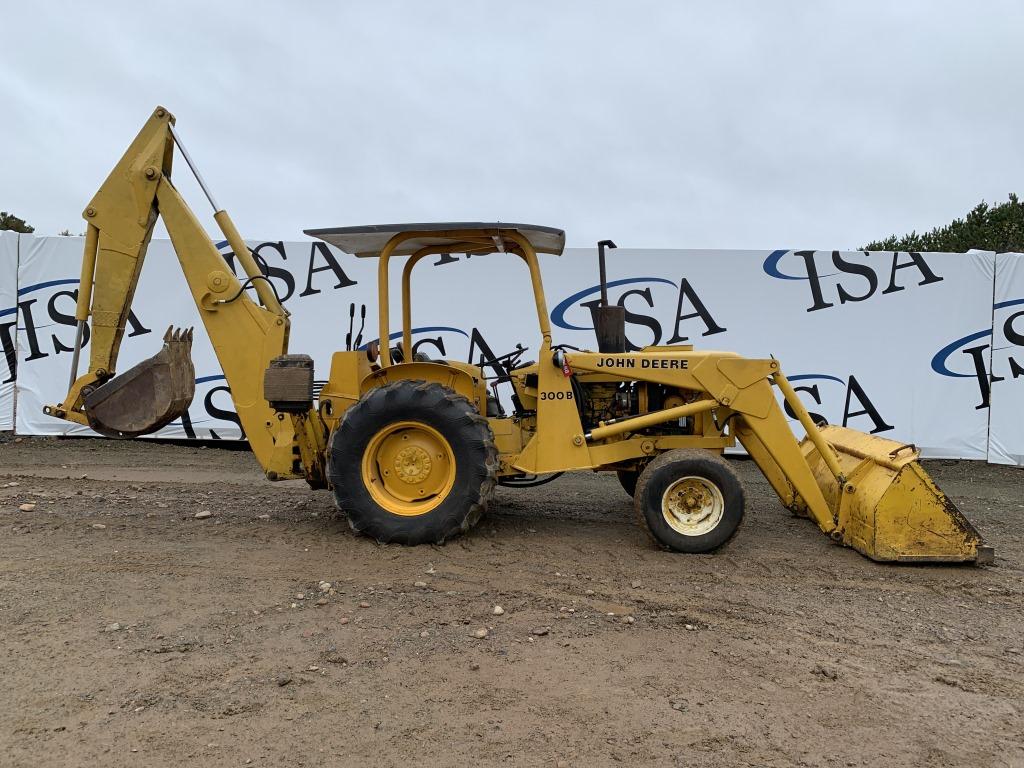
558,444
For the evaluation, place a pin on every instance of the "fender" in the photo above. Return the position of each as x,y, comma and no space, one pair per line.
472,388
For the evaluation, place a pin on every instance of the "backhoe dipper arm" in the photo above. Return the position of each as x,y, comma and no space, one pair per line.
246,336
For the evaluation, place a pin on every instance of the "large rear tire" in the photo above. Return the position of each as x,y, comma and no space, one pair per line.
691,500
412,463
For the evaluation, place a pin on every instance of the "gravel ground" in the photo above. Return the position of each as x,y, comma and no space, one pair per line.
133,633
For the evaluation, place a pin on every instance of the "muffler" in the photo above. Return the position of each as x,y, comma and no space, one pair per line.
148,396
890,509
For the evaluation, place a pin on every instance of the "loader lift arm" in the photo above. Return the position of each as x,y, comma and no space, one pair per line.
246,335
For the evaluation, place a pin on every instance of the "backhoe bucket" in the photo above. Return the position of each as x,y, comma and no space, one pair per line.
891,510
149,396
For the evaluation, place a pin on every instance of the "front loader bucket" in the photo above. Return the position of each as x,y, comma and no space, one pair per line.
150,395
891,510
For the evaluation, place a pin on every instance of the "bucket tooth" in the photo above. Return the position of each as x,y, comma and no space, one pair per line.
891,509
148,396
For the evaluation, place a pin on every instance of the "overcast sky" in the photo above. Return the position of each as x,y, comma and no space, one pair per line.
657,124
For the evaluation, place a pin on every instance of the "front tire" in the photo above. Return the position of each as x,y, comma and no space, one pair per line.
691,500
412,463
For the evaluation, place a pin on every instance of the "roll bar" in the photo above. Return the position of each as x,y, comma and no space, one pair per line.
462,241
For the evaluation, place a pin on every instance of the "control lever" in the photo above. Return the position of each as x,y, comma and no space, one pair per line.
362,324
351,320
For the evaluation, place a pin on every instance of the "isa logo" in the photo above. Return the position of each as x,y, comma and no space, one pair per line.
857,275
987,356
307,273
844,396
657,310
45,316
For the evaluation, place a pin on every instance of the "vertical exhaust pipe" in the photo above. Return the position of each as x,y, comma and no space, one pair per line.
609,321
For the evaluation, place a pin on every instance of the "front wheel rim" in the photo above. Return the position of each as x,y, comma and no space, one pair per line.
693,506
408,468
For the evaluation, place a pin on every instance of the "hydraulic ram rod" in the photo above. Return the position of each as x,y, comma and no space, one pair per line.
92,239
612,428
263,288
192,167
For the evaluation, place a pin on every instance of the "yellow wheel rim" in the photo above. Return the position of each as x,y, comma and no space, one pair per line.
692,506
408,468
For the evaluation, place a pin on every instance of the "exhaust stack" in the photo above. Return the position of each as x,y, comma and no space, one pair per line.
609,321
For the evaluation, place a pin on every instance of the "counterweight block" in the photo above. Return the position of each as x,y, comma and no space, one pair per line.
148,396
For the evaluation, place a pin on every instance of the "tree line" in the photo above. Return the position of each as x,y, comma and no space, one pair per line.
998,227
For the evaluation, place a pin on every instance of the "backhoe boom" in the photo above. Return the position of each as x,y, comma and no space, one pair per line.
246,335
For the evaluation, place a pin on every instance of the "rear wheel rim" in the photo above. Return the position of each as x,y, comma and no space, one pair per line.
408,468
692,506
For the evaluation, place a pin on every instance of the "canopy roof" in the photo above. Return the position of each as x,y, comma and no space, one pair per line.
369,240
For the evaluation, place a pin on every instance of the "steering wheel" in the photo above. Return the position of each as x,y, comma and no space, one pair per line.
508,361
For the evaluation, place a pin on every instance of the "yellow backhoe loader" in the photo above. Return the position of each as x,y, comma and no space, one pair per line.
412,448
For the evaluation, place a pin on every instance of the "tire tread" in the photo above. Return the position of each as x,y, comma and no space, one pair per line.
368,518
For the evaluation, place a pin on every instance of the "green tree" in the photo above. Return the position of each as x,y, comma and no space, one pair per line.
997,228
12,222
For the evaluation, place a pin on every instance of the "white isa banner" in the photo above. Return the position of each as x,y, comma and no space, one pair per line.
870,340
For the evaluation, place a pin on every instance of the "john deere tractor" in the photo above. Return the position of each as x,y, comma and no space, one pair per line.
412,448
